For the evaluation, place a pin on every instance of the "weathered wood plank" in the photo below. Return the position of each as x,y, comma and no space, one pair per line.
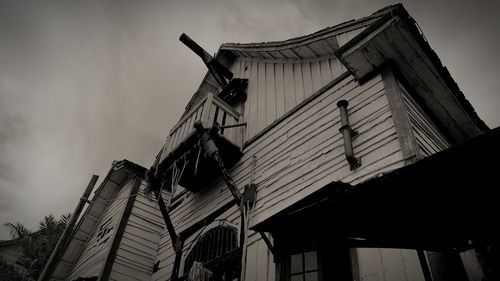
307,79
252,261
299,83
400,117
336,67
290,85
280,90
326,72
316,77
270,93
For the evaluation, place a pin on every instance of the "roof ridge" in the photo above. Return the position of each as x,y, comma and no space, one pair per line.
337,27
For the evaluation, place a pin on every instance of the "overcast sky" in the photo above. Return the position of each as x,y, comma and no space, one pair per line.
83,83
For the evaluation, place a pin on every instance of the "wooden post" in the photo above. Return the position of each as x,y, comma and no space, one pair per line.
400,117
177,242
240,132
205,115
424,264
51,263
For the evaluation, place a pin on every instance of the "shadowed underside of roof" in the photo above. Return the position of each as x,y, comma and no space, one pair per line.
314,46
324,43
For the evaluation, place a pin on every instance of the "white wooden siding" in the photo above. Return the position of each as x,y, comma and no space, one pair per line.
94,254
260,265
428,137
138,248
294,157
388,265
275,87
297,157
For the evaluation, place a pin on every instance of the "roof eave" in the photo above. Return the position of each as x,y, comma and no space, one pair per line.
395,39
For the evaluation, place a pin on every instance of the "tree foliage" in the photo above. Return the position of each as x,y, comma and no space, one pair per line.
37,246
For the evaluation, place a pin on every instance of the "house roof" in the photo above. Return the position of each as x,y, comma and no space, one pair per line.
323,43
112,183
312,46
397,40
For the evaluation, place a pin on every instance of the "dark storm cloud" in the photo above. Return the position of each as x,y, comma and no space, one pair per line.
83,83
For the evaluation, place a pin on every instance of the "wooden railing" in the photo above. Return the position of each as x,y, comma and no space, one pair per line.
210,110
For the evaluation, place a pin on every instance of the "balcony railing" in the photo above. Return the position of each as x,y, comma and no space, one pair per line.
183,136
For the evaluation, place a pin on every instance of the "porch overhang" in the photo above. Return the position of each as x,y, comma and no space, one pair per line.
396,40
441,202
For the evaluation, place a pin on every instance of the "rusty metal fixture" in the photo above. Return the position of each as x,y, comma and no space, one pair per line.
348,134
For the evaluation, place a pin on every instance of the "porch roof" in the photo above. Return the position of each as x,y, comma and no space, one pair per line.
440,202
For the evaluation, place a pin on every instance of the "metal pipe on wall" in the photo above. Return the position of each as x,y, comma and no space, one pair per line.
348,134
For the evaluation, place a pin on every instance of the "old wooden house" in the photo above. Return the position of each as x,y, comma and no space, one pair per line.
327,117
116,237
338,155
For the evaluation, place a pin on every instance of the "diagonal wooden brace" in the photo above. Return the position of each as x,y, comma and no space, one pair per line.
177,243
213,152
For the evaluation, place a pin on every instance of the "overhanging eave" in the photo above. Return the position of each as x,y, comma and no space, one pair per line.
394,40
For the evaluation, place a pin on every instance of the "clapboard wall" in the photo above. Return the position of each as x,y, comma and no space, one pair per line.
138,247
275,86
300,155
92,259
305,152
427,136
259,265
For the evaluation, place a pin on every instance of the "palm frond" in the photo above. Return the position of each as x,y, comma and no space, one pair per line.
17,230
64,219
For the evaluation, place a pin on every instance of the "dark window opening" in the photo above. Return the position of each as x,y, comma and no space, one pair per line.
219,253
304,266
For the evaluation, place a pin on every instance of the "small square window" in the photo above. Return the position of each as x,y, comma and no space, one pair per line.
311,261
304,266
296,264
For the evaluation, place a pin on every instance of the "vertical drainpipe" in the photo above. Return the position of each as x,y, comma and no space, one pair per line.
348,134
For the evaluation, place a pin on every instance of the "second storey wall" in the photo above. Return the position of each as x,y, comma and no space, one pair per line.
275,87
301,155
138,247
305,152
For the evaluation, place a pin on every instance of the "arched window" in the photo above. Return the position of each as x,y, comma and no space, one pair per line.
218,251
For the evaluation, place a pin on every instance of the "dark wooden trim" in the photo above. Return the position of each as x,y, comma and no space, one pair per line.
166,219
353,253
297,108
177,262
365,33
406,138
108,265
268,243
424,264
